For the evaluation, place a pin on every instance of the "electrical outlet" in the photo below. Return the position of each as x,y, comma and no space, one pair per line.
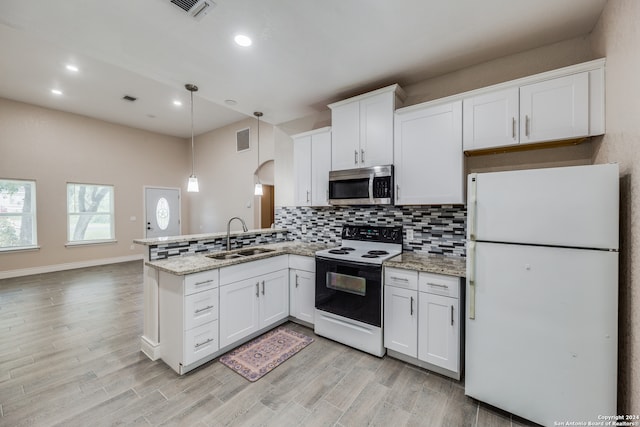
304,228
409,234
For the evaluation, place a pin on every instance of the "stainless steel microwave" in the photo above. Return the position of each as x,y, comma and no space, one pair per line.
364,186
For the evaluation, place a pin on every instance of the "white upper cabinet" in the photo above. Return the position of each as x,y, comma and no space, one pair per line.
362,129
557,105
491,119
302,170
311,165
555,109
429,164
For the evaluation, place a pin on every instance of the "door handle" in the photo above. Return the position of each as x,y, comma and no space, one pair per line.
411,304
257,290
355,157
526,125
297,281
361,156
513,128
451,315
471,278
263,287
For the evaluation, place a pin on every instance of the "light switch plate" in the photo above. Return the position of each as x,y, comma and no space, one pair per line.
303,228
409,234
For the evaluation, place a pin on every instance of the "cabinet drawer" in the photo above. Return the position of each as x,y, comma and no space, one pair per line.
198,282
200,342
305,263
439,284
200,308
401,278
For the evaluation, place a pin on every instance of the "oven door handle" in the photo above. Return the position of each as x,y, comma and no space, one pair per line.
371,188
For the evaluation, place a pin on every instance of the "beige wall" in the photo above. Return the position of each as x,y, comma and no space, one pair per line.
53,148
226,177
617,36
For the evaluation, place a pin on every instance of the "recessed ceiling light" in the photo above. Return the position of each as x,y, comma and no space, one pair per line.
242,40
177,103
56,91
230,101
72,68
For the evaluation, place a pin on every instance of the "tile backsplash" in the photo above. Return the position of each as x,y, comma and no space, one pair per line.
436,229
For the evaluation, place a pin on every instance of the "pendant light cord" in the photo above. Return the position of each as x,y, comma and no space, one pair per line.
193,156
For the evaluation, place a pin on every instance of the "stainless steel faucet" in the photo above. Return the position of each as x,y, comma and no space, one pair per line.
244,228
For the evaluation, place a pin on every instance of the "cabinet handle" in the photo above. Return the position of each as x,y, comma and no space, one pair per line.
307,195
526,125
361,156
397,192
296,280
451,315
258,289
203,283
412,306
263,287
203,343
355,157
513,128
209,307
437,285
402,279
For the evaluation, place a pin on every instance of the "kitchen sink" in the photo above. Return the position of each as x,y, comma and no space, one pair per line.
240,254
225,256
254,251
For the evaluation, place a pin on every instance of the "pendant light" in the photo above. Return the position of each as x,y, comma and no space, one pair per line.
258,188
192,186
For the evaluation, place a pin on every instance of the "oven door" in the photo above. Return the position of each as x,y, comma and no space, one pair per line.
350,289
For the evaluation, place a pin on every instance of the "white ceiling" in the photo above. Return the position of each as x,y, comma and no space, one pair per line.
305,53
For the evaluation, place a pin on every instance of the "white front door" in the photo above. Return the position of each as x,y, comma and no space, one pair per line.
162,212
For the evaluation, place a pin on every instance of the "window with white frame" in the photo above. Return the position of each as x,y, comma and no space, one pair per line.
17,214
90,213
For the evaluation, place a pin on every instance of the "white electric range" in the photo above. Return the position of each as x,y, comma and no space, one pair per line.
349,284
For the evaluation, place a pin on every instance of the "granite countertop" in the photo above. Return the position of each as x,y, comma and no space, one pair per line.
182,265
451,266
209,236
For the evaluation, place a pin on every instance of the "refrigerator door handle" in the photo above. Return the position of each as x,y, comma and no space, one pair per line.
471,277
472,203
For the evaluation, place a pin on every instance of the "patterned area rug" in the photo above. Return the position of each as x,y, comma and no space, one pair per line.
260,356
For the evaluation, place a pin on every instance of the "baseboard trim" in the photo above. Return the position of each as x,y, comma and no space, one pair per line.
68,266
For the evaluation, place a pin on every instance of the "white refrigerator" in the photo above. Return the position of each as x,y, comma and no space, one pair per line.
542,292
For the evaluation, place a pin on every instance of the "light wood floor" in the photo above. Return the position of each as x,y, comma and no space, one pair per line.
70,356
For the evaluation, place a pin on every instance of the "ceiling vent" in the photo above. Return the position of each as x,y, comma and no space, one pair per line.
195,8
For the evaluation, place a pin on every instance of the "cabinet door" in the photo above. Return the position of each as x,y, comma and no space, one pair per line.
302,171
555,109
274,297
303,292
401,320
345,138
376,130
491,120
320,167
439,331
428,156
238,310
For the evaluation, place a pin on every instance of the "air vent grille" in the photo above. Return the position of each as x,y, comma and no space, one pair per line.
185,5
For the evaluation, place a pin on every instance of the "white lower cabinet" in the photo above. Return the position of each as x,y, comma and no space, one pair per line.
439,339
401,317
188,318
302,288
253,296
422,319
